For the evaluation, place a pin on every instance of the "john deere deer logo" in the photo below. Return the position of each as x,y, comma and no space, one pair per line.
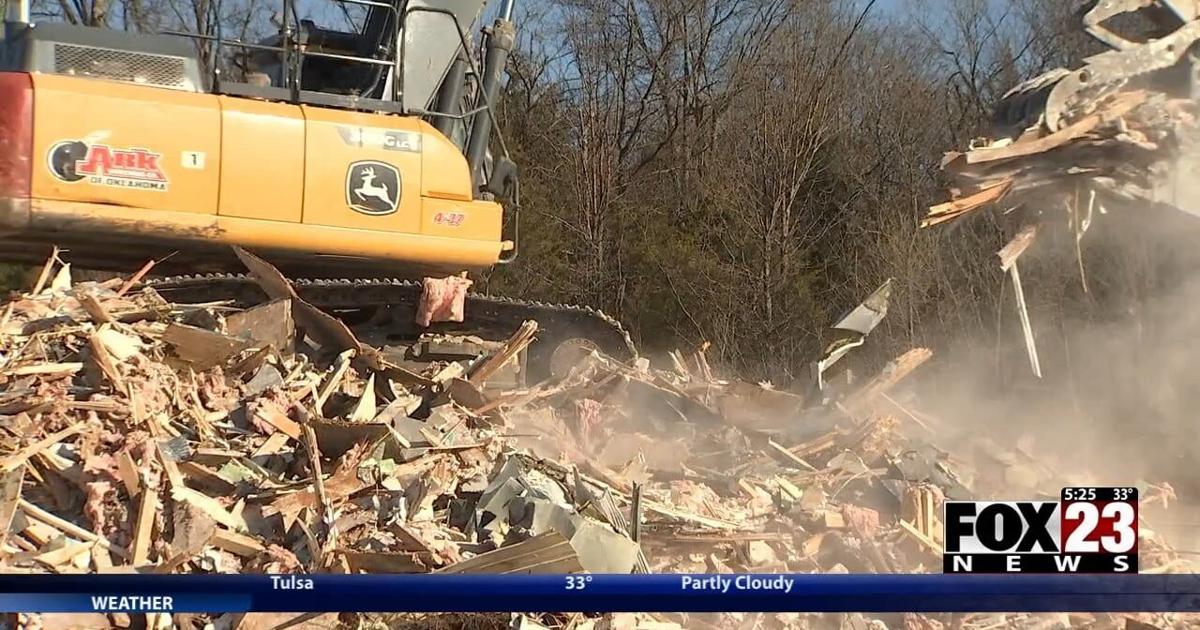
373,187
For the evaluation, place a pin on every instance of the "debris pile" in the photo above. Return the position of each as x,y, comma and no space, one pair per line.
145,436
1124,148
1132,150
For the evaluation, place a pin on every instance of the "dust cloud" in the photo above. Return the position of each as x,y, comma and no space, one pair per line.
1119,399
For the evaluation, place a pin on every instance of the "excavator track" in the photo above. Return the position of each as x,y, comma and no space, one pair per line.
381,311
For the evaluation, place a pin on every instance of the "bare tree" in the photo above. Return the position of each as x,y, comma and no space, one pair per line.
644,78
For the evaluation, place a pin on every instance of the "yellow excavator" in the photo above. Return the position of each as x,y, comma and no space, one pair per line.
357,159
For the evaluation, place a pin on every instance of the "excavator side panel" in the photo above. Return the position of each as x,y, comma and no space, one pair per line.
120,173
364,171
446,189
125,145
262,165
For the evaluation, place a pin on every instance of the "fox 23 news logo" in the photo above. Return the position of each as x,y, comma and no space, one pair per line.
1090,530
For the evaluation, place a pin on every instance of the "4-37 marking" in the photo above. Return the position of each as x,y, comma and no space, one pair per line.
578,582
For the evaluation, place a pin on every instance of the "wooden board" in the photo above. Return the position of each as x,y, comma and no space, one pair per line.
547,553
10,496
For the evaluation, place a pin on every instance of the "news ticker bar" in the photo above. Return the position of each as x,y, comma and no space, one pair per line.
600,593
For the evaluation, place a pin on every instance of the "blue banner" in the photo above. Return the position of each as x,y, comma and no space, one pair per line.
600,593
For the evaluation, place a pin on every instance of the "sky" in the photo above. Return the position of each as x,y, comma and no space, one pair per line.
884,7
889,6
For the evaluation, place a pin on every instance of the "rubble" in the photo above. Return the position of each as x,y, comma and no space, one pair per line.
1132,149
1129,146
145,436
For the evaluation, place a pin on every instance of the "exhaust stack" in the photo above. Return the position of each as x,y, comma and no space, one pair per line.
18,12
16,19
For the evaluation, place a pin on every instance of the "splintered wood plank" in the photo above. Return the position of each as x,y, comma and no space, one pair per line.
1009,253
62,279
238,544
68,527
143,530
925,541
209,506
327,514
812,544
64,555
381,562
907,412
101,559
19,544
39,533
273,445
121,346
516,343
45,369
44,276
137,277
688,517
1026,327
272,415
205,477
702,362
127,470
105,362
343,482
932,527
789,488
10,463
833,520
174,477
915,507
790,456
364,409
100,406
444,375
895,371
335,379
950,210
10,495
716,537
817,445
1117,107
94,308
8,311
